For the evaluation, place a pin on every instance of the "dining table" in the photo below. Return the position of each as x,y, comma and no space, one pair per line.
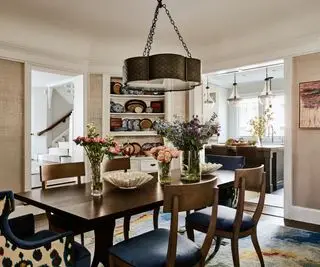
99,214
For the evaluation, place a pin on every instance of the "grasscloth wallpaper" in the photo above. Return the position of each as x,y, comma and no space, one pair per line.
95,100
11,125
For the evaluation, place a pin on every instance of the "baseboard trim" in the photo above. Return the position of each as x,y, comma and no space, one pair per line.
302,225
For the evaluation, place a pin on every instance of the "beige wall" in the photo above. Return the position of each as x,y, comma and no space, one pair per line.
11,125
95,100
306,143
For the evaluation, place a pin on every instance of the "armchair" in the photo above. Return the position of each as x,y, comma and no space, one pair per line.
21,246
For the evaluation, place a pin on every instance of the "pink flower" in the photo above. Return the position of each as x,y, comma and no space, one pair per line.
87,140
161,156
167,156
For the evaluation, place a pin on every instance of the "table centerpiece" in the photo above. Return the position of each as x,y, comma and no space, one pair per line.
189,137
96,149
164,156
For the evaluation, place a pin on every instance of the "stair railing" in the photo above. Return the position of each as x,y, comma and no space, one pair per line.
54,125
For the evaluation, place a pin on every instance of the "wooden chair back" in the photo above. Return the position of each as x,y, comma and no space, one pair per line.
190,197
116,164
60,171
250,179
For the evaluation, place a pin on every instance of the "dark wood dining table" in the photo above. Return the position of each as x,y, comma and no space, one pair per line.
99,214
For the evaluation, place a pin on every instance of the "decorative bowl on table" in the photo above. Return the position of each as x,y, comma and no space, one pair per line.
208,168
127,180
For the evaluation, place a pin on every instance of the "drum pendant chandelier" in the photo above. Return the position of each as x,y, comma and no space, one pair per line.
184,71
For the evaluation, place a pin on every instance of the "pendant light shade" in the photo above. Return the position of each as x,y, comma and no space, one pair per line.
234,98
183,71
266,96
208,99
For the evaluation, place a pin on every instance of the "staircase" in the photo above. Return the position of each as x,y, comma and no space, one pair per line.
59,154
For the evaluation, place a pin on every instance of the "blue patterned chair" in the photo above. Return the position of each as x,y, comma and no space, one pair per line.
21,246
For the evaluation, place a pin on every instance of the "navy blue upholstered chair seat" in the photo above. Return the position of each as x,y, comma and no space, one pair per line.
150,250
228,162
20,245
225,219
163,247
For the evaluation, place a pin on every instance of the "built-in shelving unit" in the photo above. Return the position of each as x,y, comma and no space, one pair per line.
142,162
133,133
145,115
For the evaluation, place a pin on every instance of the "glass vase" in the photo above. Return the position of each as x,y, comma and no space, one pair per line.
96,182
164,172
191,166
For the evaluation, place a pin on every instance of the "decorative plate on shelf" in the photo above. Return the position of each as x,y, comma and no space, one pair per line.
136,124
118,108
128,149
137,148
127,180
146,124
116,88
132,104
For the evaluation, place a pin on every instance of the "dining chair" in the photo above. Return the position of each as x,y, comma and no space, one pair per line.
20,245
56,172
124,164
228,162
234,223
164,247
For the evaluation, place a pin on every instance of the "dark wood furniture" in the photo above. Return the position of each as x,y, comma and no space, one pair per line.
235,224
124,164
55,172
76,204
160,246
271,156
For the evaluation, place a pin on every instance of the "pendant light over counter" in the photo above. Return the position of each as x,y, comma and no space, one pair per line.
209,99
185,72
266,96
234,98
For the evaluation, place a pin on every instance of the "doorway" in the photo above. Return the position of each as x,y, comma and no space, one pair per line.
56,118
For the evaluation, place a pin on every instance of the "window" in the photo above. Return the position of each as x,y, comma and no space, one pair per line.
278,114
248,109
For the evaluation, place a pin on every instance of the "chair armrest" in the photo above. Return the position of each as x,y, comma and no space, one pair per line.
25,244
23,226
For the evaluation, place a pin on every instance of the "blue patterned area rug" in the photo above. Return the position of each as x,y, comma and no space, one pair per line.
281,246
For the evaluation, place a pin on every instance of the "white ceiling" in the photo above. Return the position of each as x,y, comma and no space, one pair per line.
107,31
43,79
245,76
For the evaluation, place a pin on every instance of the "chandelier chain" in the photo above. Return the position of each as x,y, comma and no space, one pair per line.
148,45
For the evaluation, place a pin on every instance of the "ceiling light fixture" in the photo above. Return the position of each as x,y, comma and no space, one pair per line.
209,99
266,96
234,98
184,71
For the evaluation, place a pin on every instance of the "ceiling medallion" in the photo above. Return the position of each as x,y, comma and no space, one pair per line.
185,72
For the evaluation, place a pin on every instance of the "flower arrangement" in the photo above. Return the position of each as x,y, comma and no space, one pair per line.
96,148
191,135
164,156
259,124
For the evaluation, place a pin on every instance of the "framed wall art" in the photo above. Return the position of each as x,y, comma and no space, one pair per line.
309,105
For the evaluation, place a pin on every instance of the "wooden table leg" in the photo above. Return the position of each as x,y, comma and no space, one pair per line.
156,218
103,235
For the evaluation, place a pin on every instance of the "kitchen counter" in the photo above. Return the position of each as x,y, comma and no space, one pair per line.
271,156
